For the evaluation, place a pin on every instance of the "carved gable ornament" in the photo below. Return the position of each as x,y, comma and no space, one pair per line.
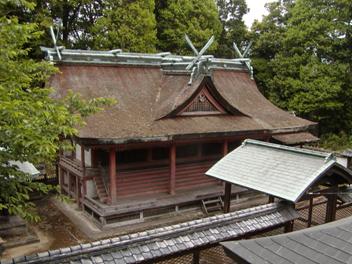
203,104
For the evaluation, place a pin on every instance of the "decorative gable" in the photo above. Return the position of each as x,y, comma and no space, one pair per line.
203,104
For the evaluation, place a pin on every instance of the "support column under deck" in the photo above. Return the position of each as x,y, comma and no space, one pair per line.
227,198
172,186
112,174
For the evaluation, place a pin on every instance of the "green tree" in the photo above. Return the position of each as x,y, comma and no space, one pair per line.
267,37
129,25
231,14
302,59
32,123
198,19
312,73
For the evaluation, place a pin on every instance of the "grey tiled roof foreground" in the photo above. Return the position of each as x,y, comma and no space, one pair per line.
329,243
167,241
288,171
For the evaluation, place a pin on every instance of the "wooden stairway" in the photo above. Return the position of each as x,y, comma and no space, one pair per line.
212,204
101,189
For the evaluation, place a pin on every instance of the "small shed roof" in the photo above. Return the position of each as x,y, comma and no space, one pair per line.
281,171
329,243
295,138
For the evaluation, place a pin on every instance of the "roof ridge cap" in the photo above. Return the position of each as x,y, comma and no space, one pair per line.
327,155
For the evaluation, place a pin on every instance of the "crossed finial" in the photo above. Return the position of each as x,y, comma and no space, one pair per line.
242,55
199,58
57,24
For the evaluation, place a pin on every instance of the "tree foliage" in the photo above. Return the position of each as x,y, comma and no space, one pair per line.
198,19
231,14
303,56
125,24
32,123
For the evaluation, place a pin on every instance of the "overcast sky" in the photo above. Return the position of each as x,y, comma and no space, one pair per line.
256,11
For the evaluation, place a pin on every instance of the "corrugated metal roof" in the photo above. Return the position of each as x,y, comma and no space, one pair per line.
281,171
329,243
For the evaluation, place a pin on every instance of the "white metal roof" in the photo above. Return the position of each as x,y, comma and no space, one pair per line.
281,171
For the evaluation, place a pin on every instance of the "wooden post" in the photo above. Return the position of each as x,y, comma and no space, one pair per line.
331,206
288,227
112,175
172,169
196,257
227,198
84,185
78,190
83,161
271,199
310,211
94,156
225,148
69,183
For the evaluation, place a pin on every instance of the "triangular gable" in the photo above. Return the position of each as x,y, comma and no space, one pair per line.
203,103
205,100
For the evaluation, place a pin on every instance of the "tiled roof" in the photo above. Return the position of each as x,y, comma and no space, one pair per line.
170,240
330,243
281,171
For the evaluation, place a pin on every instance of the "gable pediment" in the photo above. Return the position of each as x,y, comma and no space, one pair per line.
203,103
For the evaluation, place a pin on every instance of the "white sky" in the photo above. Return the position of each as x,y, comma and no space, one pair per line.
256,11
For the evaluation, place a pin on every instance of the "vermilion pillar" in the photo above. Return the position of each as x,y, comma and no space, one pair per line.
112,174
172,169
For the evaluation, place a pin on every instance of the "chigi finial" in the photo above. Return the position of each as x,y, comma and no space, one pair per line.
243,55
196,63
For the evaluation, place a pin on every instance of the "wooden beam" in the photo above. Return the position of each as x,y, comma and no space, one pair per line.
310,211
78,190
227,198
112,175
172,169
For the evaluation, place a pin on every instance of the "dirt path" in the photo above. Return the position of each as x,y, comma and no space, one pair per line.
54,231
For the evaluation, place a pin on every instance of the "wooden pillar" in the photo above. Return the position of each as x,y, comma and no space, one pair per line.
310,211
225,148
331,206
172,180
271,199
84,185
69,183
288,227
227,198
94,155
196,257
83,161
112,175
78,190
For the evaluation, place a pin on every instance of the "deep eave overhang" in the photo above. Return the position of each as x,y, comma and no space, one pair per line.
170,138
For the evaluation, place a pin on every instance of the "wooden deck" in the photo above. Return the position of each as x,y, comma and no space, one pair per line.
136,209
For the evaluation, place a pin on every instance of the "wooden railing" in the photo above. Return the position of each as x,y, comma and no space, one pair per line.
72,165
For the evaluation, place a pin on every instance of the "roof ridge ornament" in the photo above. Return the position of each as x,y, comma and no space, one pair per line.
246,61
57,23
199,59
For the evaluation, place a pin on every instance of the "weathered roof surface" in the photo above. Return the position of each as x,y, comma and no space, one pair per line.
328,243
295,138
171,240
281,171
146,94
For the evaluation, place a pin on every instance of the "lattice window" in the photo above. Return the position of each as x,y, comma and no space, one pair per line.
201,104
